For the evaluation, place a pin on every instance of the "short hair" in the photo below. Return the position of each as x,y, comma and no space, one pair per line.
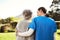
43,9
27,14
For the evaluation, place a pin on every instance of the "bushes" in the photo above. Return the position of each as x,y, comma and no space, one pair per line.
8,27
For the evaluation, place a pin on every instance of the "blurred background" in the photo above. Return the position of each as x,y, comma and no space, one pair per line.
11,13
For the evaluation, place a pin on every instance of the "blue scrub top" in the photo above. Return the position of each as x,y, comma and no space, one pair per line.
44,28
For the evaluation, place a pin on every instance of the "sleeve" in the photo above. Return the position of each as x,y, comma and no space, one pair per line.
27,33
33,24
54,27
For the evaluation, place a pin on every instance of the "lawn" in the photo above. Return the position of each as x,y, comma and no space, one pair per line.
57,35
7,36
11,36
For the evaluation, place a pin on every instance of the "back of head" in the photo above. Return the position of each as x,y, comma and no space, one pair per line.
43,9
27,14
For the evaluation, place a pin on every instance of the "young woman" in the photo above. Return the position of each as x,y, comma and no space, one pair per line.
22,26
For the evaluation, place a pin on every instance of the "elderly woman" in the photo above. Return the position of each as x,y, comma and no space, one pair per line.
22,26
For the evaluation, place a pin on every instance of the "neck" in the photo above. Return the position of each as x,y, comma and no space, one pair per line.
42,15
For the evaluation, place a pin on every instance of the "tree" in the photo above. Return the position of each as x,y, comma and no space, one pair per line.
55,10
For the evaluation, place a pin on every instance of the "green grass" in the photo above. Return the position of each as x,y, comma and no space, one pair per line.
11,36
7,36
57,35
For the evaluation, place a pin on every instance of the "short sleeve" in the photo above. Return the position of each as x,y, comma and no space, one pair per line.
33,24
54,27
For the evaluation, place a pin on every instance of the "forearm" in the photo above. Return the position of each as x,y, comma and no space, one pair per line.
27,33
54,36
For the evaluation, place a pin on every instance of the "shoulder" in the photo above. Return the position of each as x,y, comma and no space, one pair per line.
35,18
51,19
22,21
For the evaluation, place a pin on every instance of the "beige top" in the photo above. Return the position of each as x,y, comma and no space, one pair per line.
22,26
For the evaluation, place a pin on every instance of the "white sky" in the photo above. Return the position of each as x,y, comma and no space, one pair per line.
15,7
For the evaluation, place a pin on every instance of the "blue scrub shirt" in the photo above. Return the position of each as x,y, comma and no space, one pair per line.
44,27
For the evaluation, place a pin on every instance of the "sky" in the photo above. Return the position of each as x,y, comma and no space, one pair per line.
10,8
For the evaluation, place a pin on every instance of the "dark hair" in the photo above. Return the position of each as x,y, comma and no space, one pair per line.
27,14
43,9
47,15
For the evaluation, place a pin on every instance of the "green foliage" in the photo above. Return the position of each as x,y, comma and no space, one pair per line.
55,10
9,20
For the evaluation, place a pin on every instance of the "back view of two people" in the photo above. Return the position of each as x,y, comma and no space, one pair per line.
42,26
22,26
